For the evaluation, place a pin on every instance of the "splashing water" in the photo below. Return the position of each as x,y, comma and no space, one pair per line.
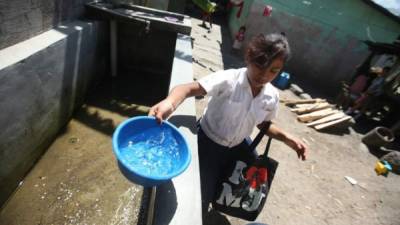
152,152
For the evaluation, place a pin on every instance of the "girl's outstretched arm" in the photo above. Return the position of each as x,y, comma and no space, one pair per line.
179,93
293,142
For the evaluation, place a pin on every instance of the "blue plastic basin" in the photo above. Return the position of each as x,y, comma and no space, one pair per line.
149,153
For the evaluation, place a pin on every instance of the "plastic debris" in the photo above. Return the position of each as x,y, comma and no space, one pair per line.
73,140
312,169
382,168
351,180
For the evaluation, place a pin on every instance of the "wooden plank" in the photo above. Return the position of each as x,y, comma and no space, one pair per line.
327,119
332,123
316,115
300,108
303,105
311,115
315,107
303,101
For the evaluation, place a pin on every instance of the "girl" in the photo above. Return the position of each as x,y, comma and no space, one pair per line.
240,100
239,38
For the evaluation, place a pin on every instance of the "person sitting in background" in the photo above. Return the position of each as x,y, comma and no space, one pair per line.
374,91
351,93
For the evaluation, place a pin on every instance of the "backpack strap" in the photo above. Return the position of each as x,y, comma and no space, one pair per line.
265,154
260,135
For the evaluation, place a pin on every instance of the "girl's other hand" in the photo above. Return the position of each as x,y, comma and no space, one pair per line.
162,110
298,146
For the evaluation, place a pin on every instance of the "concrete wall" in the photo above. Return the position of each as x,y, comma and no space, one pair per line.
177,6
324,35
23,19
141,49
158,4
146,57
42,80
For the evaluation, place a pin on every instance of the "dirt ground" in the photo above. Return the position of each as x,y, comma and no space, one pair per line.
314,191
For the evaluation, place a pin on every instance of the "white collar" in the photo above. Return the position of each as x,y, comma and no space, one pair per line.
245,84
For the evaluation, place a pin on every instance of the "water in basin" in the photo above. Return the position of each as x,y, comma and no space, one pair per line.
152,152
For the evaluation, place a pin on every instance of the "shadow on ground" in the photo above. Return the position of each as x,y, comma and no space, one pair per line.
184,121
120,95
166,195
338,131
214,217
378,152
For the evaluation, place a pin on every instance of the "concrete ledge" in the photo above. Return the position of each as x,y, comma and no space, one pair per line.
179,202
42,80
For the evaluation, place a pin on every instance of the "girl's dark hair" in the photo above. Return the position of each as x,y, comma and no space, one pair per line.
263,49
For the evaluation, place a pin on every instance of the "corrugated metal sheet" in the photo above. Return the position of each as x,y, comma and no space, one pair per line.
392,6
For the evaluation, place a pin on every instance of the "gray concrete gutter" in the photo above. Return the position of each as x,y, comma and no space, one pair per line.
42,80
179,201
77,181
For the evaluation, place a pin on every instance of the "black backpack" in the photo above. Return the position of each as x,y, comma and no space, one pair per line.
244,189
